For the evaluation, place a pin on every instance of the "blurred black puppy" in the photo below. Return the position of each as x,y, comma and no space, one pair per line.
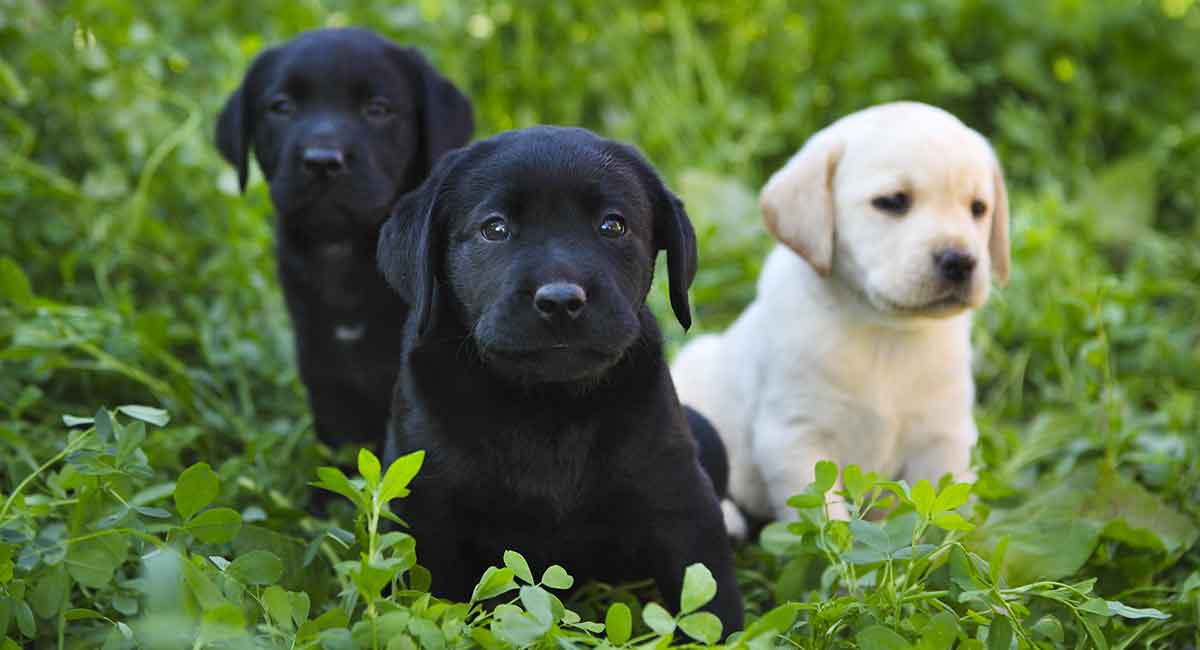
342,122
533,371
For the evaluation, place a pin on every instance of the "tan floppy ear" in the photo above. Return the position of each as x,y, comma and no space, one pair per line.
797,202
998,239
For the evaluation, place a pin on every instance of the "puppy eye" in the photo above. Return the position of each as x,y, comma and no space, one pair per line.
495,229
378,109
896,204
978,208
282,106
612,226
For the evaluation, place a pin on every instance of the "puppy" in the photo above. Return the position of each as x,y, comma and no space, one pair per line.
533,372
857,347
342,123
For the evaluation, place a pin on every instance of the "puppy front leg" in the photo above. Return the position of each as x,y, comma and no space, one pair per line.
941,455
787,456
698,537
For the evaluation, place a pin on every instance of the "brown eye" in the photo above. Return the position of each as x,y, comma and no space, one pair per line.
495,229
378,109
613,226
282,106
895,204
978,208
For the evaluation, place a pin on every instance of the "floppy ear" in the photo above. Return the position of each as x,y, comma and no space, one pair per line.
445,114
411,244
797,202
235,124
674,234
998,239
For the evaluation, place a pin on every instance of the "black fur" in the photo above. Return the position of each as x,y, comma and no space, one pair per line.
711,449
391,116
561,438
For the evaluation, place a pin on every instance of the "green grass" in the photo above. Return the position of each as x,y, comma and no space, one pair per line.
131,272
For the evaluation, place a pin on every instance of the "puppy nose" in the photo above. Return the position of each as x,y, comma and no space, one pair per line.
559,299
954,265
324,161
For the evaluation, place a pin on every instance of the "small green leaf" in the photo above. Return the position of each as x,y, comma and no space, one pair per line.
516,627
1049,628
854,481
156,416
332,479
537,602
952,521
878,637
81,614
25,619
196,488
92,562
774,623
520,567
996,562
618,623
300,605
215,526
658,619
256,568
952,497
399,474
222,623
493,583
557,577
699,587
702,626
368,467
48,595
278,605
1000,634
1097,606
14,285
826,475
923,497
428,634
940,632
872,535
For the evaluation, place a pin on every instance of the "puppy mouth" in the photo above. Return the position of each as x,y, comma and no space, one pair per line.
946,305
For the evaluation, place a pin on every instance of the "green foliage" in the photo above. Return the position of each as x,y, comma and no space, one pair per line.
131,271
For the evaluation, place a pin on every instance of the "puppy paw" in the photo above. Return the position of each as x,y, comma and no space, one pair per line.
736,525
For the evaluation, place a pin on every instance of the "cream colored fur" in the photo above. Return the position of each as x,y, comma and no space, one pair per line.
855,350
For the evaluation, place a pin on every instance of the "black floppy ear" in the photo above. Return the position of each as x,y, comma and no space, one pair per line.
446,117
411,244
235,124
673,233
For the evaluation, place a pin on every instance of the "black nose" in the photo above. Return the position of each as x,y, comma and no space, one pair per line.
954,265
324,161
559,299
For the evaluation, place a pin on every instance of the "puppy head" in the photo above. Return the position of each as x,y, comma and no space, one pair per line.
540,243
902,203
342,121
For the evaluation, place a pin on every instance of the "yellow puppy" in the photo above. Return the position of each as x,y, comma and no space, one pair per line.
857,347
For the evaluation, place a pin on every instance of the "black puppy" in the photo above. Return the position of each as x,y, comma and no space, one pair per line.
342,122
533,371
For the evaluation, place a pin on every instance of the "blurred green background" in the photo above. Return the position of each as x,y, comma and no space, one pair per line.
131,271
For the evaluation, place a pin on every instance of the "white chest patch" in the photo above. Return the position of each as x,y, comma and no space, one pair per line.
349,333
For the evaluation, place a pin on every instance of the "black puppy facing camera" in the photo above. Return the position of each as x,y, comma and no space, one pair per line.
342,122
533,371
